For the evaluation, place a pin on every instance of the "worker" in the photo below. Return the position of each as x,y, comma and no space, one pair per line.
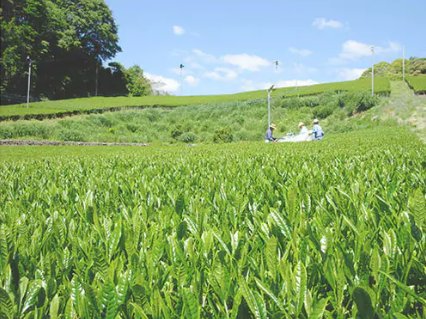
303,129
268,136
317,131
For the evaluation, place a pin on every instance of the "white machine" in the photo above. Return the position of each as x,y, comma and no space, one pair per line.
291,138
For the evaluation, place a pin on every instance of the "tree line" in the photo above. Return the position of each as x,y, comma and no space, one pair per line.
414,66
68,42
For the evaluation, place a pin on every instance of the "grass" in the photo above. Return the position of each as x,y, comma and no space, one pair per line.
417,83
404,107
90,105
240,121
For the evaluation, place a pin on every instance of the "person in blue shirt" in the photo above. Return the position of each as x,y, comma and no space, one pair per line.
317,131
268,136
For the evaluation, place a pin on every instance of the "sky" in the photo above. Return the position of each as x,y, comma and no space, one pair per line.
230,46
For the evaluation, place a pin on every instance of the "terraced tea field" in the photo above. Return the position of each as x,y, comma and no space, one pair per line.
335,229
417,83
48,109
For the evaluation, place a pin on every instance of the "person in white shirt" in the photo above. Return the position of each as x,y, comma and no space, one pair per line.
303,129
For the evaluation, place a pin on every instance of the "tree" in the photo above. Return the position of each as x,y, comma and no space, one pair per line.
22,27
413,66
66,39
137,84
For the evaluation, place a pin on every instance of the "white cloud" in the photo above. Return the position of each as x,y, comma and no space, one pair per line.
196,65
192,81
201,56
353,50
246,61
322,23
222,74
161,83
178,30
348,74
303,52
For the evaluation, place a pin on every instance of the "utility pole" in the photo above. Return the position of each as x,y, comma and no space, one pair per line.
403,63
372,71
29,80
269,104
181,70
96,80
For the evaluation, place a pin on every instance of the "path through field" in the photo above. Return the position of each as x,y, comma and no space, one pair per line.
407,108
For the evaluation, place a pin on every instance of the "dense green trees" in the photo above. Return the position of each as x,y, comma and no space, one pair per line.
68,41
413,66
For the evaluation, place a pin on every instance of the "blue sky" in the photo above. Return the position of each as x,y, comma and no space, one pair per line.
229,46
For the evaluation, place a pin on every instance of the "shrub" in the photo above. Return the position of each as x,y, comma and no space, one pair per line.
69,135
153,115
290,103
365,101
176,132
132,127
323,111
223,136
360,101
310,101
188,137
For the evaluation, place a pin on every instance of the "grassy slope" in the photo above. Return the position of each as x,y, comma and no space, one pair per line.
245,120
404,107
87,104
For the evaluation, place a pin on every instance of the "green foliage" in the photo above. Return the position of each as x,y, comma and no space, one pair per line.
223,135
165,125
66,40
249,230
360,102
394,71
137,84
382,87
417,83
418,66
323,112
188,137
363,303
176,131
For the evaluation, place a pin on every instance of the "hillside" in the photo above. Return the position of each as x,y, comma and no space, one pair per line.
393,71
234,121
48,109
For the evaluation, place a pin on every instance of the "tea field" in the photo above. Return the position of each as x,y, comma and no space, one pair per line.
417,83
331,229
60,108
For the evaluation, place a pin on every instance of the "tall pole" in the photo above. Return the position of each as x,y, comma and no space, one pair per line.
96,80
181,82
269,108
29,81
269,104
403,63
372,71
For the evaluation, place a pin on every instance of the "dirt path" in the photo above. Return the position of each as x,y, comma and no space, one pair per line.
59,143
